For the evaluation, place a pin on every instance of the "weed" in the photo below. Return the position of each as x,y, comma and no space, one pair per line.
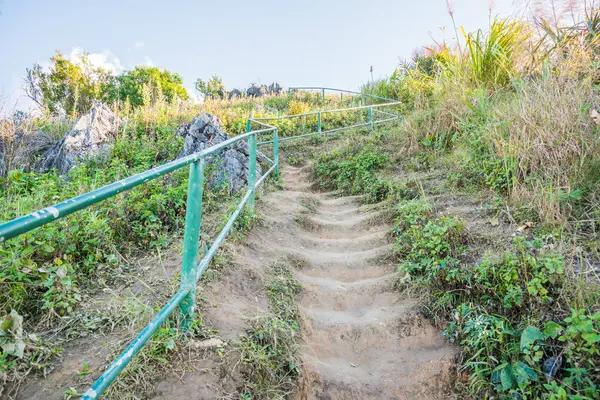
351,173
268,351
157,356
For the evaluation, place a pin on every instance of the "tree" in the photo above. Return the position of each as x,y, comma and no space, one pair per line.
72,87
130,84
214,88
67,86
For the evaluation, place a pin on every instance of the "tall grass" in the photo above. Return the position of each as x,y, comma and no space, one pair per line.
517,110
492,58
516,102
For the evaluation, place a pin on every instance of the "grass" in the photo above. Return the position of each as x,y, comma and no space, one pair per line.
168,349
268,352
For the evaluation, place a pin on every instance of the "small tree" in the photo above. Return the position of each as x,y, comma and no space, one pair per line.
130,84
214,88
67,86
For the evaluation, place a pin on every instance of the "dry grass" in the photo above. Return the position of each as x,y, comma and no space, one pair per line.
547,139
309,204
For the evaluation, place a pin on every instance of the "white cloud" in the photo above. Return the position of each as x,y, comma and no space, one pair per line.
139,44
105,60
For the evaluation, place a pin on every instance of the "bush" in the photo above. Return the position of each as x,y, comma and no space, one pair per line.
502,313
351,173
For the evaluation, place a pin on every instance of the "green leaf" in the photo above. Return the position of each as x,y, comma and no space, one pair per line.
6,324
529,336
170,344
591,337
552,329
16,348
523,373
506,378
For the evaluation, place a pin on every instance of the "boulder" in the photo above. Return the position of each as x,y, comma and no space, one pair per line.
19,149
231,162
2,155
6,138
257,91
91,136
275,88
235,94
28,148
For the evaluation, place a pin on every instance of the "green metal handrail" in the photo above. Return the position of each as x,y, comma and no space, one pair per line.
341,91
371,109
191,269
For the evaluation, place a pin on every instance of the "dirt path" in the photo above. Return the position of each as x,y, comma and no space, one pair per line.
362,339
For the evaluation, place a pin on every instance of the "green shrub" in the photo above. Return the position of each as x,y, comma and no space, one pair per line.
427,246
526,278
501,312
351,173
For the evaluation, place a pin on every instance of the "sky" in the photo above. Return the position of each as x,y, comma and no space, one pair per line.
329,43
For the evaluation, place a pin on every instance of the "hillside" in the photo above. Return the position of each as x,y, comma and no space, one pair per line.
433,236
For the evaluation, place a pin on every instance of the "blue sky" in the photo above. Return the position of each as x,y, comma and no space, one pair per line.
317,43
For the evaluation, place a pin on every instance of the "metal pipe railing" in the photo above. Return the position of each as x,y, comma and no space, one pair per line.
291,89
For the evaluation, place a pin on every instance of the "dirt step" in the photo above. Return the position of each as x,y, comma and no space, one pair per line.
323,223
349,275
329,242
349,299
362,339
333,285
350,260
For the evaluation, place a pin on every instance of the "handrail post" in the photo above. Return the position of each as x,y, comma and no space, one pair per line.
252,170
191,237
323,94
276,152
319,128
371,116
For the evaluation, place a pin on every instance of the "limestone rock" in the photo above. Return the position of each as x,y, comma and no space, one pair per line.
257,91
29,147
231,162
235,94
91,136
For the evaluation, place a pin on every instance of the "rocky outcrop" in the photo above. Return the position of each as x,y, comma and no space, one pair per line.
91,136
257,91
231,162
275,88
28,148
235,94
20,149
2,156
